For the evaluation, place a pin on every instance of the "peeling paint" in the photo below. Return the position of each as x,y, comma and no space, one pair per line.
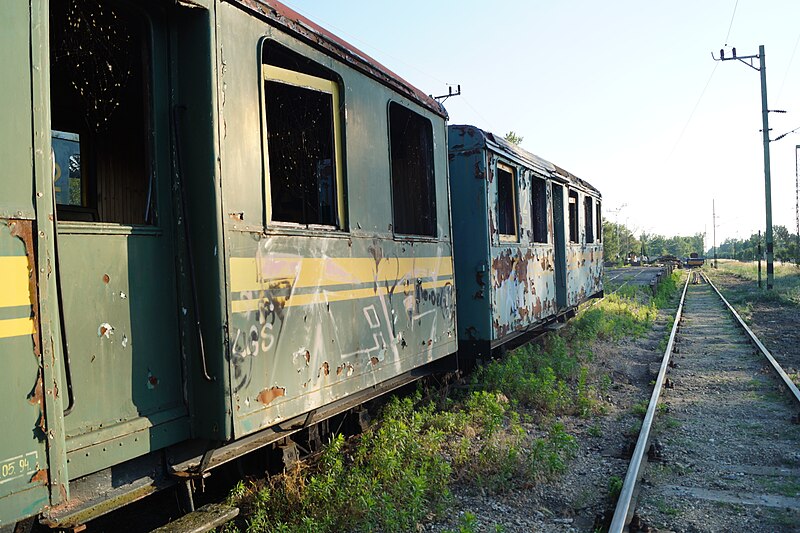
40,476
267,396
105,330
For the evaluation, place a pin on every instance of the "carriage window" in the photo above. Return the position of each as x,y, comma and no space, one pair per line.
303,137
573,216
599,223
413,185
506,203
588,219
99,99
539,209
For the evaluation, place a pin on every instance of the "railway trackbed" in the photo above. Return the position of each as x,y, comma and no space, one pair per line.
719,448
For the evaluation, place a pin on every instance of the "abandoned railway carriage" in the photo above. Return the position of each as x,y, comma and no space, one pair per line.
527,240
218,223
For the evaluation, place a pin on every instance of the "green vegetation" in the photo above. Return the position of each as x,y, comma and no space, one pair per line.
619,240
614,487
784,244
786,289
500,432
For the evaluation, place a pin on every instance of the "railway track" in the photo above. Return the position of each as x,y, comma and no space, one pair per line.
719,448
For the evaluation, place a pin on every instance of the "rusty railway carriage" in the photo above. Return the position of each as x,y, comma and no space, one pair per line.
527,238
219,223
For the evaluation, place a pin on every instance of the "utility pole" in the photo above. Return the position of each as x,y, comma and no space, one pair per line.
759,259
714,229
762,68
797,204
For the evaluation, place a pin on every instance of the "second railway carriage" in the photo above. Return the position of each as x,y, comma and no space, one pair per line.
527,236
219,223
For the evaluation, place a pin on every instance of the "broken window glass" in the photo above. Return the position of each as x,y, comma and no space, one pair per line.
573,216
599,214
301,108
539,209
506,202
413,182
100,61
588,219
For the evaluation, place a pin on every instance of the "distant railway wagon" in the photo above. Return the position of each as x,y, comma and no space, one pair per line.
694,260
527,236
218,223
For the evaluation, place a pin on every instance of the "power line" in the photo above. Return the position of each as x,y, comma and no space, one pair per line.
691,115
788,68
703,92
731,24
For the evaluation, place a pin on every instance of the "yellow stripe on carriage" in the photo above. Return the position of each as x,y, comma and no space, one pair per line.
14,277
16,327
323,296
251,274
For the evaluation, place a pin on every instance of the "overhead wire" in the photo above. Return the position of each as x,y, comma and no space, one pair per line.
703,92
788,68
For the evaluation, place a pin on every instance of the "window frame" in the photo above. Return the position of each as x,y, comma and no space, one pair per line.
588,215
432,173
302,80
572,193
599,221
543,203
508,237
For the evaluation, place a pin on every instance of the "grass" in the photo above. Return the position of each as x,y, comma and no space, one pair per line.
614,488
501,432
786,288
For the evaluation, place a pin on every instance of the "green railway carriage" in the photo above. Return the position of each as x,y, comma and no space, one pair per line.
218,223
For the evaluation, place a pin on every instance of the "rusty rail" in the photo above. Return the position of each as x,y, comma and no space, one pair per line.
623,508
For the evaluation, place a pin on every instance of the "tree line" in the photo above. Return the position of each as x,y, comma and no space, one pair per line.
619,242
784,246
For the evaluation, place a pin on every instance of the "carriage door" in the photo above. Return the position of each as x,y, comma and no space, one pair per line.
560,243
115,244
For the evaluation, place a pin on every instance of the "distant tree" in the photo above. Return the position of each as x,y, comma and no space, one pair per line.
513,138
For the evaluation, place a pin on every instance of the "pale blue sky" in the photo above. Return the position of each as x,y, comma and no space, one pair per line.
606,90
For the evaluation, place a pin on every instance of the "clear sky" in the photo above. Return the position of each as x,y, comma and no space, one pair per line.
623,93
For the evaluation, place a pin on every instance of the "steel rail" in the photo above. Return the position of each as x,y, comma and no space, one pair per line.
629,485
766,353
620,519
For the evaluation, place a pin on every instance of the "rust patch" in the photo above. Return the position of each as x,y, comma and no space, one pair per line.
307,355
266,396
339,370
374,361
152,381
326,368
236,216
23,230
40,476
106,278
502,266
521,269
